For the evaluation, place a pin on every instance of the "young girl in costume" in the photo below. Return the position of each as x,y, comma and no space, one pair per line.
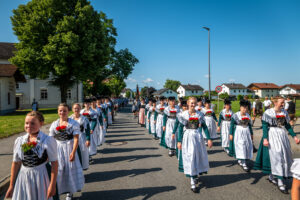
224,125
152,115
29,178
160,117
170,114
84,137
66,131
274,155
210,120
194,154
142,112
241,136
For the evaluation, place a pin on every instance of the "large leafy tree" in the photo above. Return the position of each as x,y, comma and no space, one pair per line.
172,84
116,85
64,40
147,91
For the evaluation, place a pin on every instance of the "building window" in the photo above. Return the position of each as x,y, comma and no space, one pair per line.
44,94
239,91
234,91
17,86
69,94
193,91
8,98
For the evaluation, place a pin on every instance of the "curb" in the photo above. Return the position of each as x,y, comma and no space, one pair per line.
4,184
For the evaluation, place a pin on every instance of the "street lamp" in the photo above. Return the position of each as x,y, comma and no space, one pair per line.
208,29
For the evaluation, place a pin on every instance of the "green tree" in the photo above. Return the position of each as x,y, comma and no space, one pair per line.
128,94
224,95
116,85
172,84
240,97
64,40
147,91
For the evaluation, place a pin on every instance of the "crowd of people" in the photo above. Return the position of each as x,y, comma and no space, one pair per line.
47,166
188,127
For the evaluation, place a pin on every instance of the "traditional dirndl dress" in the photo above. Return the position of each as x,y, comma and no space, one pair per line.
92,116
225,120
194,153
295,169
171,119
70,177
146,114
152,124
242,137
84,151
33,180
210,122
142,114
280,153
109,114
159,121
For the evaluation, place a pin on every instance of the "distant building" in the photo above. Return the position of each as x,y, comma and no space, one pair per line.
235,89
265,89
9,78
165,93
124,91
290,89
24,90
189,90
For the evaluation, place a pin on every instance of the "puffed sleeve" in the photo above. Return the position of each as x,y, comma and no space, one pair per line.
16,157
51,147
52,129
76,128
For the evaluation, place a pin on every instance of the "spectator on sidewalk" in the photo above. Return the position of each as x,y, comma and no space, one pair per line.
267,103
290,107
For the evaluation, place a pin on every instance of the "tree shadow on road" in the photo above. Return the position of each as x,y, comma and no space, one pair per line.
227,163
110,175
122,131
126,140
122,135
123,194
123,158
123,150
215,151
213,181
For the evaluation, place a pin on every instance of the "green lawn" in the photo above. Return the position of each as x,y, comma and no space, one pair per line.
14,122
236,107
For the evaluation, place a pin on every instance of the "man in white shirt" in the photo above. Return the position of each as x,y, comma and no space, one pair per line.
267,103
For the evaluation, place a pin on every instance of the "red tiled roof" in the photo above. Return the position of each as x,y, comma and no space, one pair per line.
264,85
7,70
6,50
294,86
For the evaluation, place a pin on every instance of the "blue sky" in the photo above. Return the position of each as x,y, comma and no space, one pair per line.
251,40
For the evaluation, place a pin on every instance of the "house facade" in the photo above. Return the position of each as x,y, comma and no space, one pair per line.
22,90
235,89
165,93
289,89
189,90
9,76
46,95
265,89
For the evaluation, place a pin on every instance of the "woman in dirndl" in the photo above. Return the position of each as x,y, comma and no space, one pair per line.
84,137
66,131
142,107
29,178
210,120
224,125
274,156
194,154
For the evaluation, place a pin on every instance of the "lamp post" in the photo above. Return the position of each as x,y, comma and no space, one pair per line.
209,89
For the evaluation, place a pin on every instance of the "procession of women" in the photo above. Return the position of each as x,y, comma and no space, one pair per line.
46,166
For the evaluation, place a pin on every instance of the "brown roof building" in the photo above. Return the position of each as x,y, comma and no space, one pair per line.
265,89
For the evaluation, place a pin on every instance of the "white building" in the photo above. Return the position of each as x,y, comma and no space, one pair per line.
235,89
289,89
124,91
189,90
46,95
20,93
9,75
265,89
165,93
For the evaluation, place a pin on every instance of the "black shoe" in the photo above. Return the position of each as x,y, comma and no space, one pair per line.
254,149
195,190
246,169
283,189
274,182
156,138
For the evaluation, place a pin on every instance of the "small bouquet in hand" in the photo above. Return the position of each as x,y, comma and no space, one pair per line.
28,146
